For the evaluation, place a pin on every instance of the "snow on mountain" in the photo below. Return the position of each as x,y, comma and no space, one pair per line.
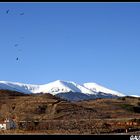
65,89
20,87
98,88
60,86
135,96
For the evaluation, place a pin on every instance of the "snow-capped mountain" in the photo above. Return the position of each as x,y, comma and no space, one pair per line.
65,89
60,86
20,87
98,88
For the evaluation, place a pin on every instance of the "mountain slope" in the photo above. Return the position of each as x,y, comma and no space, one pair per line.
98,88
60,86
20,87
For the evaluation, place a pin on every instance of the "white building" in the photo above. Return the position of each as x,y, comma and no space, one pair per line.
7,124
2,126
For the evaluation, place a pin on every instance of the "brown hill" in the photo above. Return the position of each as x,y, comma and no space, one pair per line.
46,106
39,107
125,107
53,114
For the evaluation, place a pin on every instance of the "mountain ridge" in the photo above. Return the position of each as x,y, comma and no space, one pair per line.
63,88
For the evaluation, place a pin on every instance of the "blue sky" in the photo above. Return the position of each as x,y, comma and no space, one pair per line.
81,42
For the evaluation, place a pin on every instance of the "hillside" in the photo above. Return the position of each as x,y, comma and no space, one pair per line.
53,115
38,107
46,106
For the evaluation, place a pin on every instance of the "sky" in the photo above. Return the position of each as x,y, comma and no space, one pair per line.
80,42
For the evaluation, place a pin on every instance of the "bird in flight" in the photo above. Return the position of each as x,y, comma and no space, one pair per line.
17,58
7,11
16,45
21,13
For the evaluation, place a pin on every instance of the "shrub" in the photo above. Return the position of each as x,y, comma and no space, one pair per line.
136,109
127,107
138,103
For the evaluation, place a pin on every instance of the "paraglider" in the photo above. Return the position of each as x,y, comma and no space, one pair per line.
7,11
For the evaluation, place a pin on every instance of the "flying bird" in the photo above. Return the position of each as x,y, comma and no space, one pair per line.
16,45
17,58
7,11
21,13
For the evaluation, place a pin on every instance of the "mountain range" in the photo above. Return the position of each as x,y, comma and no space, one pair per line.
64,89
